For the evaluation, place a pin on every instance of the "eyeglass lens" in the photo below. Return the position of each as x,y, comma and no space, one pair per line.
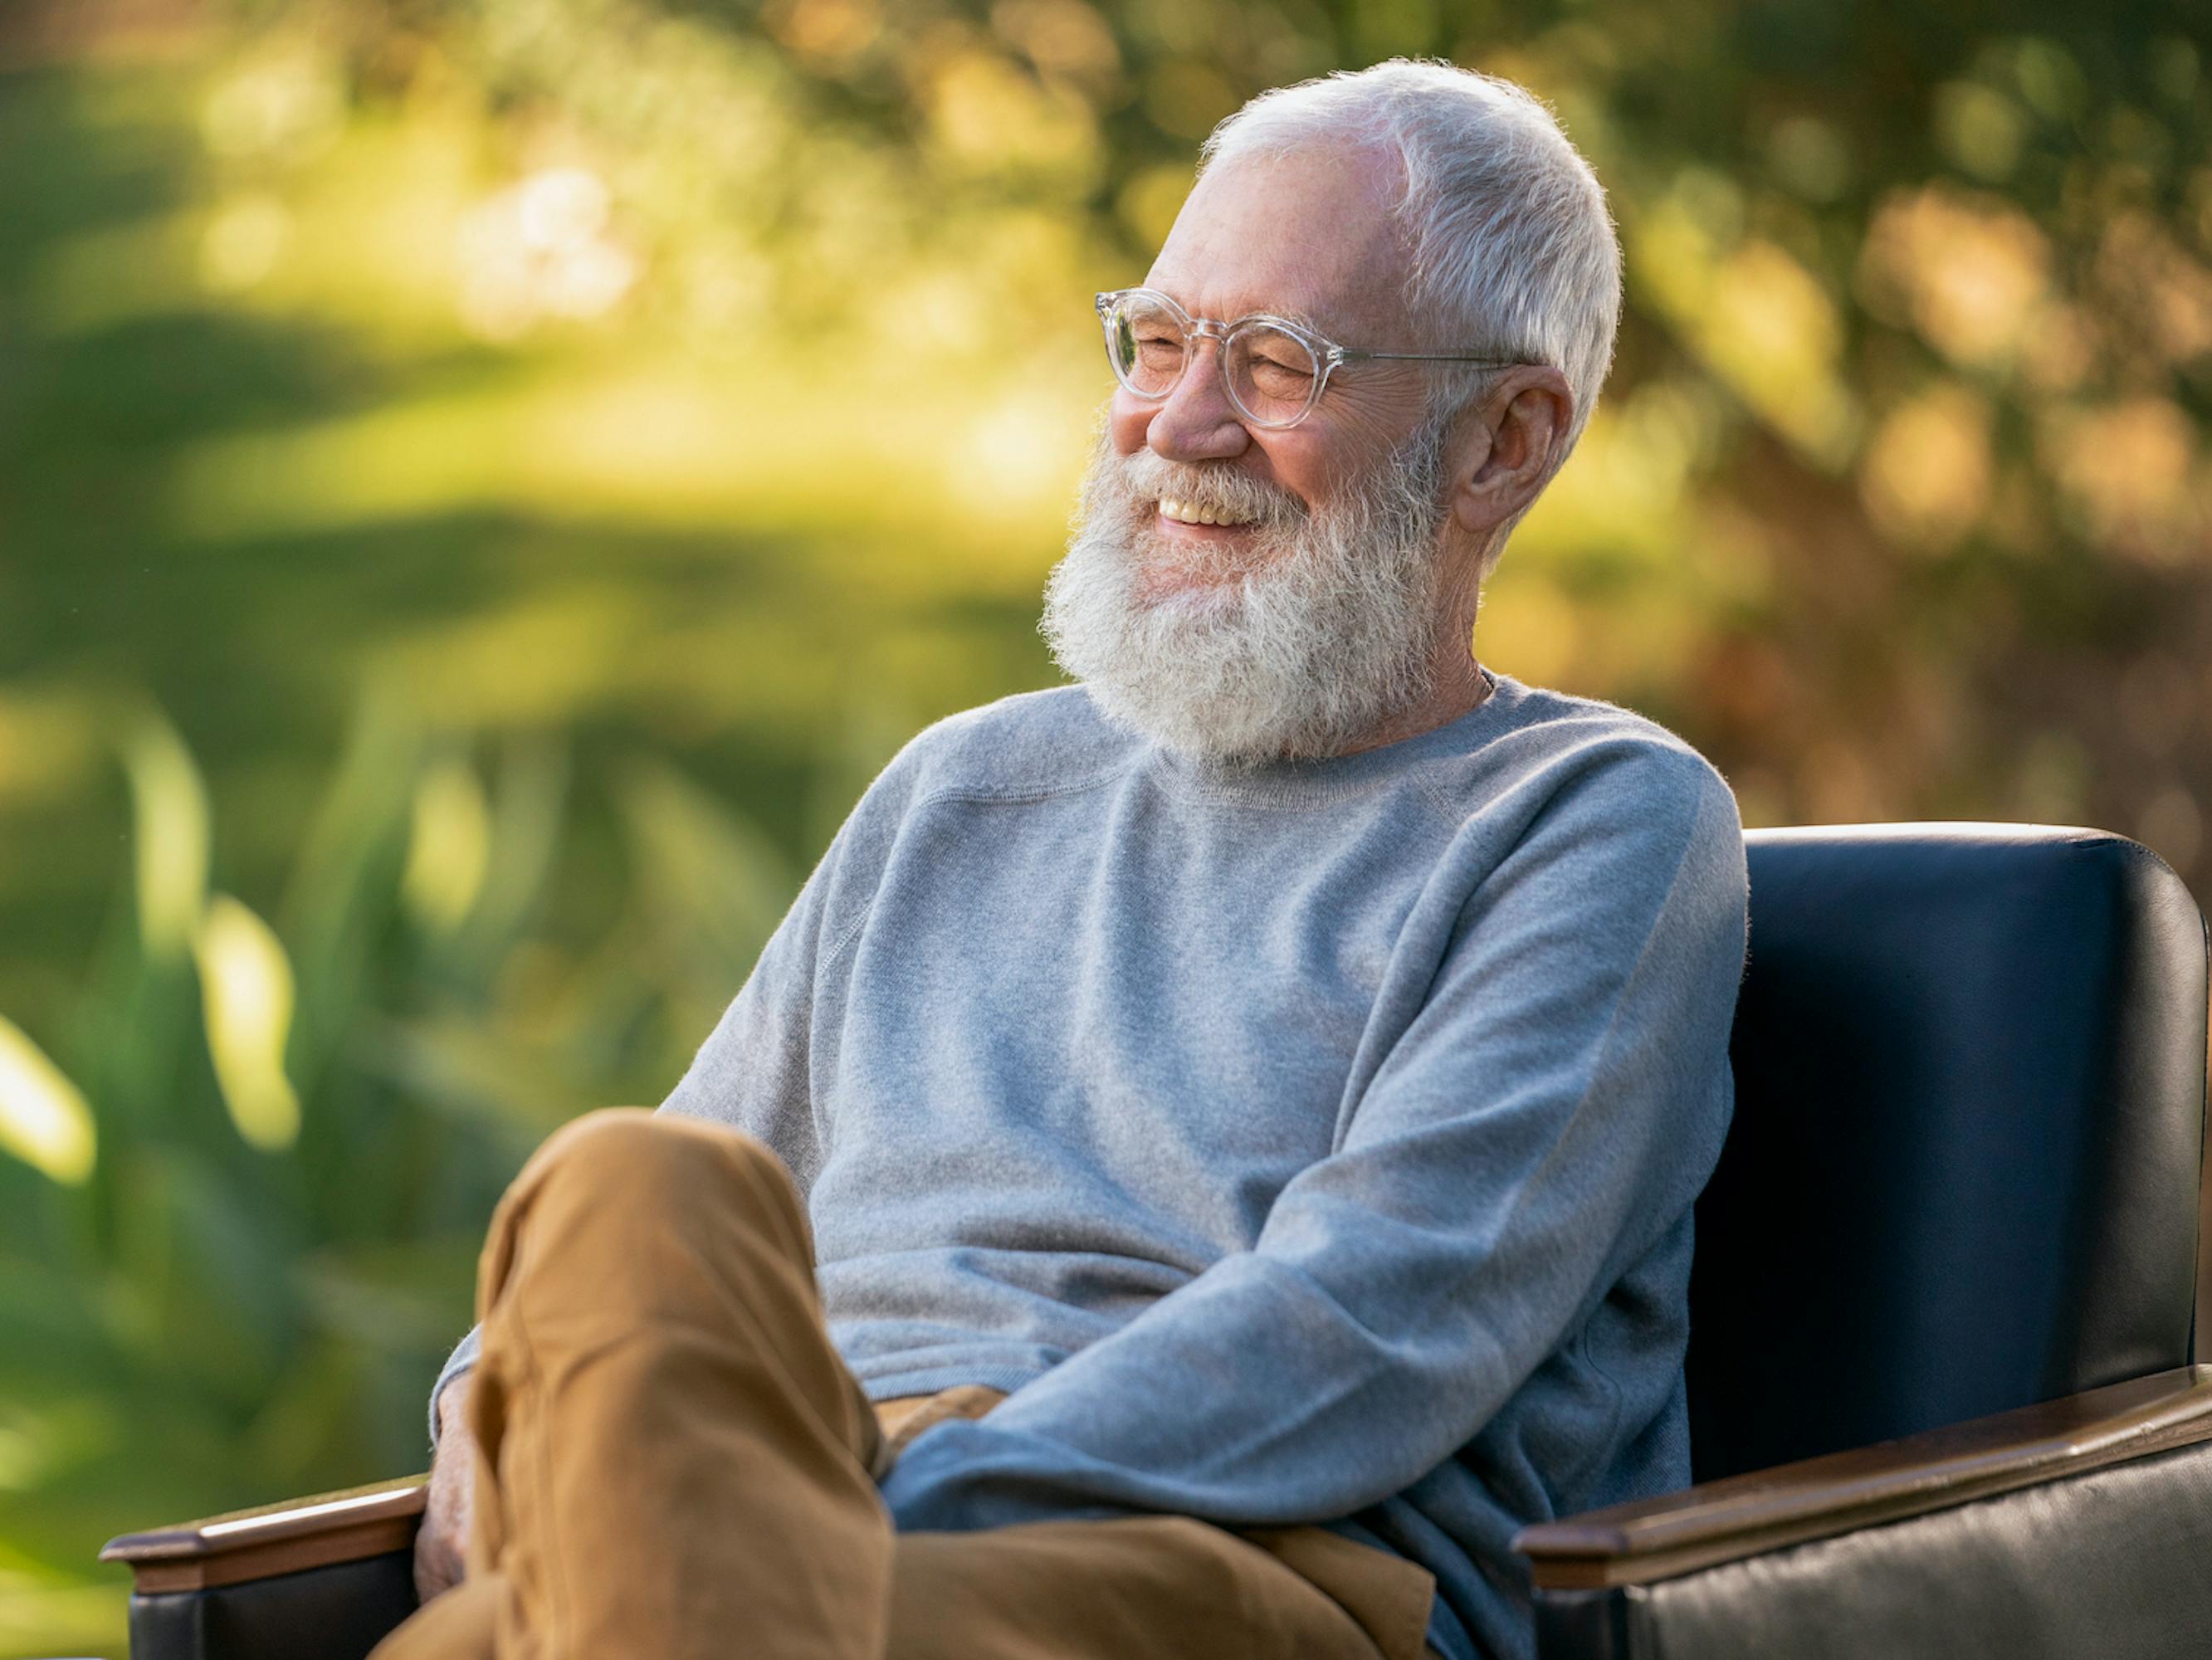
1272,375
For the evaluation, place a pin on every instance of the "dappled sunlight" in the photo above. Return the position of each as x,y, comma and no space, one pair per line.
1969,272
1628,485
1980,129
1927,475
988,469
547,656
45,1120
282,98
448,846
1772,331
396,460
988,118
541,249
246,994
244,241
2161,291
169,810
1756,316
2136,473
1018,460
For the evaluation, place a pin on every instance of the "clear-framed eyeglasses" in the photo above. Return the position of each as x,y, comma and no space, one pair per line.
1275,370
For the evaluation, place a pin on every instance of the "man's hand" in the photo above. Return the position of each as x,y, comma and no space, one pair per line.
445,1531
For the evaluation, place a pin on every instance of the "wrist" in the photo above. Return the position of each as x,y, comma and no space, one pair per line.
451,1406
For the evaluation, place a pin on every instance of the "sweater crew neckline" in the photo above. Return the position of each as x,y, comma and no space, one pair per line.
1331,778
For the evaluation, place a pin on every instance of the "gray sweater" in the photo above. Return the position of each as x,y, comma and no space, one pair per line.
1307,1143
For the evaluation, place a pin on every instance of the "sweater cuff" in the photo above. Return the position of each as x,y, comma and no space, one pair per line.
962,1476
463,1358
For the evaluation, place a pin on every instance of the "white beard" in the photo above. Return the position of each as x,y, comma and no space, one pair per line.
1305,639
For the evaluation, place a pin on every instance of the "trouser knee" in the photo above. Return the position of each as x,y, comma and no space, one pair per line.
624,1205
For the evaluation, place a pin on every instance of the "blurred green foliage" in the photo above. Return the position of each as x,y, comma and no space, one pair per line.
484,482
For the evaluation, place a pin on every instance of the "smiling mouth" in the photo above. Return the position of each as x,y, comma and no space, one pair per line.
1190,513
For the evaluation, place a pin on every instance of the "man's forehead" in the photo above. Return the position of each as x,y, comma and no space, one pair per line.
1312,311
1310,236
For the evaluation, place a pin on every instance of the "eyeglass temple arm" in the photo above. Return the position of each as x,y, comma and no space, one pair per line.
1346,355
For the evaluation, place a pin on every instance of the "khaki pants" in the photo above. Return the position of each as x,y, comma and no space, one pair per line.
674,1464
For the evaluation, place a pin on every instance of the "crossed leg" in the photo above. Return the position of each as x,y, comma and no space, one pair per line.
673,1463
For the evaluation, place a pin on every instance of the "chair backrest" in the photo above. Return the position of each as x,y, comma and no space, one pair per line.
1965,1171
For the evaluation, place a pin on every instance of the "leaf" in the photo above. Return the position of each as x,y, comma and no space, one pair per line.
248,993
714,883
45,1119
529,799
169,810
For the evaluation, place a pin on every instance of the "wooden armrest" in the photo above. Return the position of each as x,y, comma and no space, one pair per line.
1819,1498
271,1539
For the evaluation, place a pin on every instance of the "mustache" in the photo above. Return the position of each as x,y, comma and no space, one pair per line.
1136,481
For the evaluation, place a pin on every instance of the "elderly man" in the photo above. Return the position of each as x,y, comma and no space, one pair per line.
1210,1152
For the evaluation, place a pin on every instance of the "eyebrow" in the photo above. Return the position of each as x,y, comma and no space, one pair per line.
1305,319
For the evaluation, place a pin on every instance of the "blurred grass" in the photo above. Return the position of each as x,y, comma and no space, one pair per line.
483,484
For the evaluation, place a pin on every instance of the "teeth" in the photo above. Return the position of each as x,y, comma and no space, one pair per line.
1187,512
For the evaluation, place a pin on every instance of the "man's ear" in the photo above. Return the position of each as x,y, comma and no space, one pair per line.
1509,443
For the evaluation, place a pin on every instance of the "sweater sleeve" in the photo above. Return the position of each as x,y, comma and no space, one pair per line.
1553,1108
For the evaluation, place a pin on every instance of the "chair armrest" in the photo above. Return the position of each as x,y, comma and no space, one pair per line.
273,1539
1750,1515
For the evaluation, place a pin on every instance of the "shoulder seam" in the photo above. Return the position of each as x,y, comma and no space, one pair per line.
1646,741
1019,796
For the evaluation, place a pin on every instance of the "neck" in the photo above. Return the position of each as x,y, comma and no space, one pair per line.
1458,689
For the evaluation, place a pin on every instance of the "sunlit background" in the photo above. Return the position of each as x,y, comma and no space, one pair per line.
483,483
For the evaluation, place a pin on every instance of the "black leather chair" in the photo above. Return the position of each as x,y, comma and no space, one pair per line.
1964,1177
1944,1310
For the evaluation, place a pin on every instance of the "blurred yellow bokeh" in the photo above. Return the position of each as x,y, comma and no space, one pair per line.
45,1120
247,992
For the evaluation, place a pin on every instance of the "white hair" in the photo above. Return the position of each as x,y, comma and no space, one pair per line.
1511,249
1297,644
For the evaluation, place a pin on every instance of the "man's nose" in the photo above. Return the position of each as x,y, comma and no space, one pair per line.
1198,423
